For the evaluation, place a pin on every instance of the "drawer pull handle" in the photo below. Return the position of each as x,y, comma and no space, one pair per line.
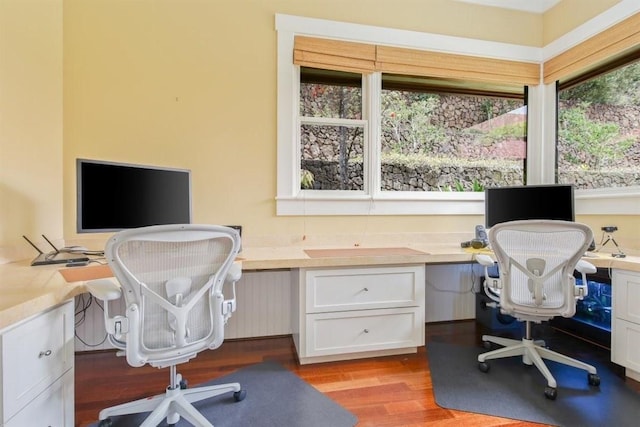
44,353
366,331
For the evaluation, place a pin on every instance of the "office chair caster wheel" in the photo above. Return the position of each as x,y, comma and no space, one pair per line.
483,366
106,423
594,379
486,345
239,395
550,393
184,384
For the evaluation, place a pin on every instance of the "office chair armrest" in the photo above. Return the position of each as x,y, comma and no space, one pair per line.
485,260
104,289
235,273
491,285
108,290
583,267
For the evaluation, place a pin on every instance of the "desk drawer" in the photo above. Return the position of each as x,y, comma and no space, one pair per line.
363,288
53,407
35,354
367,330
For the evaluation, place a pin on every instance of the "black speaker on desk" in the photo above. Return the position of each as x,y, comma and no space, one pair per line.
490,317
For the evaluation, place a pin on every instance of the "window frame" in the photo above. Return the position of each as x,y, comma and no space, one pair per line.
588,74
363,123
541,159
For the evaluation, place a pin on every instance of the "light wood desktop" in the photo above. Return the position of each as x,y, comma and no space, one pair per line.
29,290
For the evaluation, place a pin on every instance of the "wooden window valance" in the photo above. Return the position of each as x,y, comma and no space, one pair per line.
366,58
463,67
615,41
334,55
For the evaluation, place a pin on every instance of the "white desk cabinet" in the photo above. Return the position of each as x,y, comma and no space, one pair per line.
356,312
37,370
625,328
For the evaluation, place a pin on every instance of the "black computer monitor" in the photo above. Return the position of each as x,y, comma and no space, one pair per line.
116,196
504,204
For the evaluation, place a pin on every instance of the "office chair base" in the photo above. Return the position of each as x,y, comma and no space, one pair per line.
172,405
505,342
533,354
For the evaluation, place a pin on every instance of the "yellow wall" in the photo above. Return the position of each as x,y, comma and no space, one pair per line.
188,84
191,84
30,123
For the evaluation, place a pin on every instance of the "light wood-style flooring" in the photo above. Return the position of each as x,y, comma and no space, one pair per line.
386,391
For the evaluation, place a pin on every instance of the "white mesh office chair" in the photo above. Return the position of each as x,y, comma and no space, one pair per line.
536,261
172,279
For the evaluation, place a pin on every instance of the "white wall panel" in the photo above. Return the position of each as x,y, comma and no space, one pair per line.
450,292
263,309
264,303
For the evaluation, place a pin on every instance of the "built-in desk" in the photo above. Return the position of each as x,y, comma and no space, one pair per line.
36,341
26,291
38,300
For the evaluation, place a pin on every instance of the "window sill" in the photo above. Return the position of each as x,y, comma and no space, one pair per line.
614,201
608,201
400,203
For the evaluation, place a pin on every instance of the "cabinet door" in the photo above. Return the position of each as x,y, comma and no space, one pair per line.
35,354
52,408
625,327
625,344
626,295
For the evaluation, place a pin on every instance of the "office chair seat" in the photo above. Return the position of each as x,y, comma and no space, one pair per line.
536,261
172,279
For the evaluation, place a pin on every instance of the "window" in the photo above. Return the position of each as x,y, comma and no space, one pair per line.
598,141
450,135
420,68
332,131
339,154
432,137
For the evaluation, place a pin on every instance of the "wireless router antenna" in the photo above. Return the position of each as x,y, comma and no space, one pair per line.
49,242
32,244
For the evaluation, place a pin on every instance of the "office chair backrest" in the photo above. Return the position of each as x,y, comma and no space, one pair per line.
537,259
172,278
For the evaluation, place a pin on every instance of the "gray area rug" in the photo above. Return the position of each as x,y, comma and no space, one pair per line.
513,390
275,397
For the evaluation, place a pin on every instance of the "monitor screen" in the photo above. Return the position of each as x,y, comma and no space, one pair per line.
117,196
504,204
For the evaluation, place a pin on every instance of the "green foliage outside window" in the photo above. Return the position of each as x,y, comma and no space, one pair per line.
306,179
598,143
512,131
620,87
408,122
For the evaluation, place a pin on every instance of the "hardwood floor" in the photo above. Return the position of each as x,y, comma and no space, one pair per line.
386,391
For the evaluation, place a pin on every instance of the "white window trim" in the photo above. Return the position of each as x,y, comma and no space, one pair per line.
290,200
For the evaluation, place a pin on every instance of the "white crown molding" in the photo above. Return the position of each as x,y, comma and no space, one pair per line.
538,6
406,38
452,44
